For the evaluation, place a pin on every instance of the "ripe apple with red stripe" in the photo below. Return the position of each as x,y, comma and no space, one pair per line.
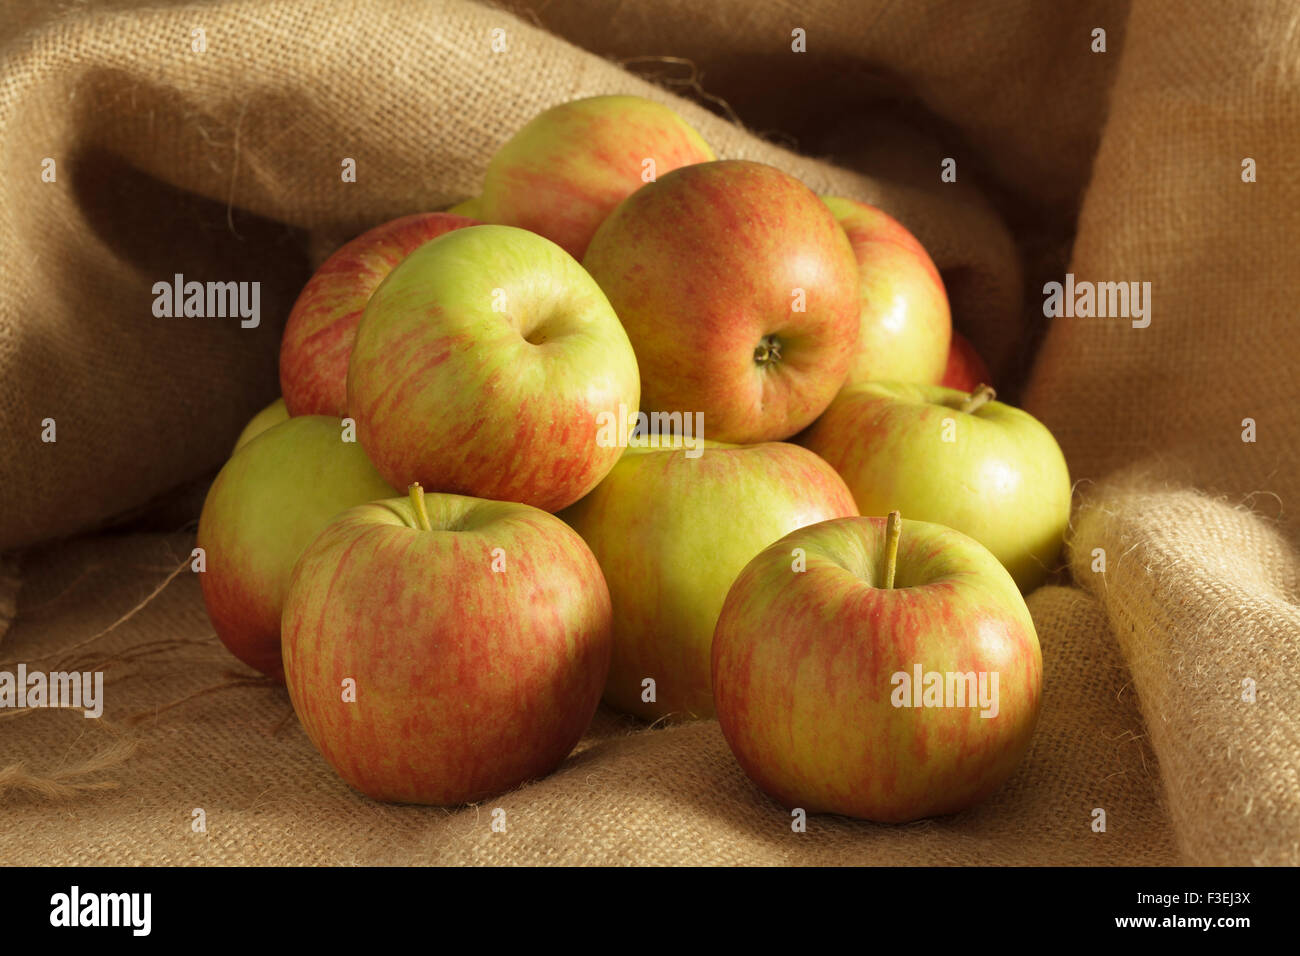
483,366
322,326
739,292
905,325
440,649
897,676
273,496
988,469
966,371
672,526
567,169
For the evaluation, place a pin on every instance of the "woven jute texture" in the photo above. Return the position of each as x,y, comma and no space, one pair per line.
1169,642
627,795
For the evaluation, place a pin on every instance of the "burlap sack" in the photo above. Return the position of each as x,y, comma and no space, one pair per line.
225,164
628,795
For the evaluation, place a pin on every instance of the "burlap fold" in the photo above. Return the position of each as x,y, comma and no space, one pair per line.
1170,675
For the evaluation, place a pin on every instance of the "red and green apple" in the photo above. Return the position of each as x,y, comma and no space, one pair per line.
322,326
897,676
440,649
739,292
483,366
966,371
567,169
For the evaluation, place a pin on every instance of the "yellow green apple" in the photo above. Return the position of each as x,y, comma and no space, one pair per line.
468,208
270,499
273,414
671,529
905,325
987,469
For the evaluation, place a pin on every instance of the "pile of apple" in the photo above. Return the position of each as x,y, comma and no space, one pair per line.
442,547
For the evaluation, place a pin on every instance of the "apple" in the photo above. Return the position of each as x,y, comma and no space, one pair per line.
483,365
322,325
671,531
966,371
441,649
567,169
897,677
989,470
273,414
466,207
905,322
739,292
270,499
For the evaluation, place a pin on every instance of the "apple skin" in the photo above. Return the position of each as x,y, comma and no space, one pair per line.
671,533
268,501
464,399
322,325
467,207
802,666
567,169
905,321
1002,480
272,415
966,371
469,681
701,267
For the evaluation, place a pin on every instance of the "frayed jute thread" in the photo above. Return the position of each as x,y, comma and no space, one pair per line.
232,680
128,655
71,781
691,81
148,599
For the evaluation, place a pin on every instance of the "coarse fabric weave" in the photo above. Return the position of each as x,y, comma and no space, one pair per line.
1171,705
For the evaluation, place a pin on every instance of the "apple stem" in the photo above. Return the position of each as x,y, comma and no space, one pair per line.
893,528
417,502
977,398
768,351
